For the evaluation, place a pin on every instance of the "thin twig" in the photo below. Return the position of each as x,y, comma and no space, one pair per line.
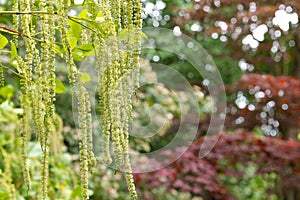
81,19
82,24
44,13
11,31
74,18
26,13
4,51
12,71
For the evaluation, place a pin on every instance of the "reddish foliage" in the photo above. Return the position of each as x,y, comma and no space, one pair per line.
199,176
240,19
280,100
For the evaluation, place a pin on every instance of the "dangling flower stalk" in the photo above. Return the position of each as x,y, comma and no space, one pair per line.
87,159
82,117
2,80
37,84
26,88
15,7
47,90
117,65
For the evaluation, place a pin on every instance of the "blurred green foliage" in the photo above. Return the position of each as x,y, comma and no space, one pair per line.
64,183
251,185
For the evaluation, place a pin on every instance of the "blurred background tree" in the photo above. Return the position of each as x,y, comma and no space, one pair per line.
256,47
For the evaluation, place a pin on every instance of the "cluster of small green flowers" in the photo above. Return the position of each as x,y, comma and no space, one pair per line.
37,84
24,132
119,63
2,81
62,11
15,7
47,90
6,176
26,88
83,113
87,158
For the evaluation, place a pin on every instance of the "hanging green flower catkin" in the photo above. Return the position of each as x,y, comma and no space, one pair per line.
24,124
82,116
8,175
2,81
15,7
37,84
45,92
87,159
26,88
119,63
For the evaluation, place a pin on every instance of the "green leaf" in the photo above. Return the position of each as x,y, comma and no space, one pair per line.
259,181
73,42
84,77
4,194
60,88
82,51
83,14
76,192
92,8
85,47
13,53
13,56
76,29
77,55
3,41
7,91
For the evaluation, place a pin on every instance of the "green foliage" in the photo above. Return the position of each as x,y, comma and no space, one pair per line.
158,108
3,41
63,179
251,185
60,88
7,92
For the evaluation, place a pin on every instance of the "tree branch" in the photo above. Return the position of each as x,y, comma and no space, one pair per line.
26,13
